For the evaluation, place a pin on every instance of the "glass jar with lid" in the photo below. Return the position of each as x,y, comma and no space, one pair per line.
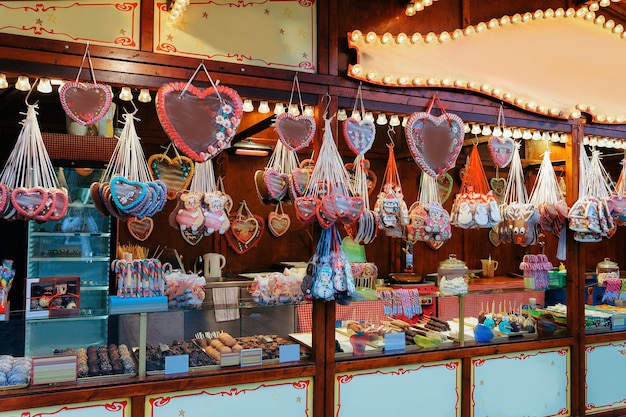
452,276
606,270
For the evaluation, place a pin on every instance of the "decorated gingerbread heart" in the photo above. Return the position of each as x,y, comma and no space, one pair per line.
306,208
240,227
140,229
277,184
126,194
435,142
370,176
29,202
85,103
359,134
498,185
501,150
278,223
295,132
176,173
201,123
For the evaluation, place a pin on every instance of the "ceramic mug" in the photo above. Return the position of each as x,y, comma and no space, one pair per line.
489,266
213,264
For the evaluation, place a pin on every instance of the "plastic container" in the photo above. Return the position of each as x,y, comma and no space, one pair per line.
556,279
606,270
452,276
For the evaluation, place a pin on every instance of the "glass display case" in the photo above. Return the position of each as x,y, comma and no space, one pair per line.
79,245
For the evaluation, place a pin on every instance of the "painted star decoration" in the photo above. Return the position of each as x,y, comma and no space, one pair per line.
39,22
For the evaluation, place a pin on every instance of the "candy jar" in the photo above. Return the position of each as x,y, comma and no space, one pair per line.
607,270
451,276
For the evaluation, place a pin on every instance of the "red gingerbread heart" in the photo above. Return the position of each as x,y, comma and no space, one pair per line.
278,223
140,229
306,208
201,123
501,150
359,134
277,184
295,132
176,173
235,234
85,103
435,142
29,202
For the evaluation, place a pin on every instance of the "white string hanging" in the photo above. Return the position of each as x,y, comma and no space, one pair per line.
29,164
204,179
516,187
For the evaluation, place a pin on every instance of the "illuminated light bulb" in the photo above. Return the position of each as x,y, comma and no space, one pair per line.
3,81
570,12
279,108
527,16
519,101
419,6
472,84
586,140
594,7
531,105
356,115
44,85
538,14
593,141
466,127
618,29
497,131
486,131
309,111
485,88
410,9
545,136
458,33
294,110
563,138
444,36
342,115
610,24
610,119
602,142
370,37
264,107
541,108
427,2
144,96
605,3
527,134
430,37
382,119
517,133
507,132
493,23
432,81
475,129
401,38
600,20
481,26
469,30
610,143
394,120
601,117
356,36
507,96
516,18
620,119
548,13
404,80
446,82
389,79
22,84
126,94
372,75
416,37
590,16
554,137
536,135
247,105
369,116
386,38
460,83
559,12
357,70
418,81
581,12
553,112
405,120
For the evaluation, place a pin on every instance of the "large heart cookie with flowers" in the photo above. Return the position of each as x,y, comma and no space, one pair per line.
201,123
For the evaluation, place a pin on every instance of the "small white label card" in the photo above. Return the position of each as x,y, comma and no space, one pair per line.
230,359
177,364
54,369
289,353
251,357
395,342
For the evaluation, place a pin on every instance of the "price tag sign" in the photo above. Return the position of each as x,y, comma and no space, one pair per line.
230,359
251,357
395,342
289,353
54,369
178,364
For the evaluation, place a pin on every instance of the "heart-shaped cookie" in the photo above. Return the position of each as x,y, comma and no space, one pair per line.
277,184
278,223
295,132
306,208
193,238
359,134
29,202
444,186
298,181
498,185
435,245
244,229
261,187
85,103
501,150
140,229
176,173
5,197
94,194
127,194
435,142
201,123
370,176
237,245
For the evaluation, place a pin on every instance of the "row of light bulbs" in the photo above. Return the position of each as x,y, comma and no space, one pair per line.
44,85
415,6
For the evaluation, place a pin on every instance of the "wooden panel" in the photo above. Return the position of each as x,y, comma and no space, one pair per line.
605,366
